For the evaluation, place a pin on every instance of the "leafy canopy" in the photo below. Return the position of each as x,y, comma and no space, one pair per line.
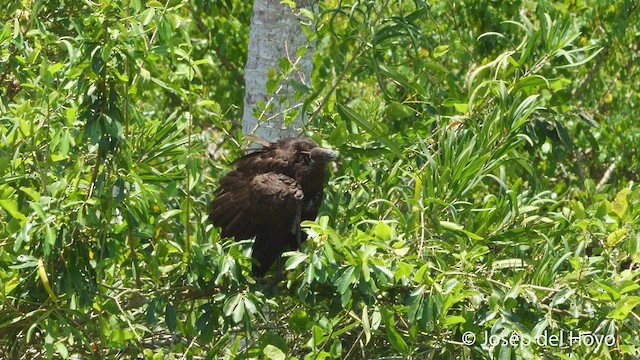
486,184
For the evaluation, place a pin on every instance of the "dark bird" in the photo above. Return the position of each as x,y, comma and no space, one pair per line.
268,194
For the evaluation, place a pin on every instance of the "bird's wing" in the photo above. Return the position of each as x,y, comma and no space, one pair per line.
247,203
265,206
269,158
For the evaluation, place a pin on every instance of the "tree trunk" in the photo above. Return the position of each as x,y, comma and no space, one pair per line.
276,32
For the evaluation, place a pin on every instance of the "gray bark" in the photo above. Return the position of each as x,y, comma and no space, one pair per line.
276,32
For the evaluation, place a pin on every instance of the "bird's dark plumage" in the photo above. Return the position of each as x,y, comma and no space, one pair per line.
268,194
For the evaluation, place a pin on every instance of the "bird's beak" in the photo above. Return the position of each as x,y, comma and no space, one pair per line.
323,154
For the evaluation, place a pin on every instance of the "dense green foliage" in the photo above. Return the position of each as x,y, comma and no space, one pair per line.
486,183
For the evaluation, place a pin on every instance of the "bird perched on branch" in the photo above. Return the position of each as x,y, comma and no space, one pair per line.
268,194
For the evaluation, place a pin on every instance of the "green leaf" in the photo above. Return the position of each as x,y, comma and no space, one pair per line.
612,293
55,68
582,61
396,340
472,236
318,335
338,135
165,29
382,231
578,209
299,319
529,82
616,236
453,320
434,67
206,103
272,85
419,276
628,286
620,204
50,235
561,296
295,260
170,317
249,305
154,4
336,349
396,110
62,350
273,353
168,214
416,304
624,308
284,64
393,336
11,206
234,307
440,51
151,312
269,338
349,114
345,280
399,78
32,193
366,325
451,226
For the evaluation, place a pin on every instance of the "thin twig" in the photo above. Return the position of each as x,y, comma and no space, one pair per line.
607,175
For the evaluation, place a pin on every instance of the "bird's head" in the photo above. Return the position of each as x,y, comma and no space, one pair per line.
322,155
311,152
